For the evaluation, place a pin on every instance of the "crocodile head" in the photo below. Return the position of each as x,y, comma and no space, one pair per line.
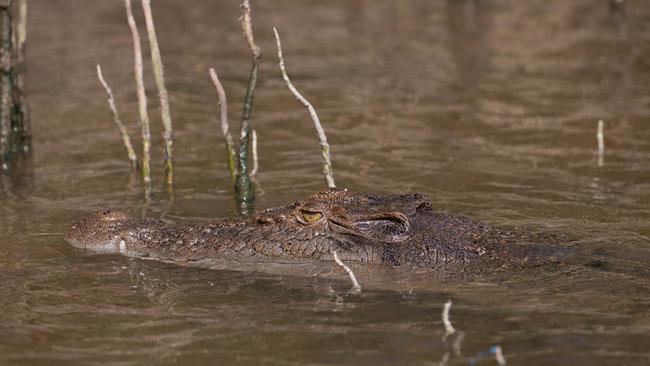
356,224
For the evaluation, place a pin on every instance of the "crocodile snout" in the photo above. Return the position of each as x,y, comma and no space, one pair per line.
100,231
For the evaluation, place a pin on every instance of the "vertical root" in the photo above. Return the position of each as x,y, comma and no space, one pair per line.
353,278
225,128
243,186
116,116
158,73
143,115
325,147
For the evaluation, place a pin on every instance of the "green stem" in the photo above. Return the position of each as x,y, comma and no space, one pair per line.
21,117
243,186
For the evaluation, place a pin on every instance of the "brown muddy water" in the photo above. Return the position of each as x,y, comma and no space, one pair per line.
490,110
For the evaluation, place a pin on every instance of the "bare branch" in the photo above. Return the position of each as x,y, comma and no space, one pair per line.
254,151
156,61
325,147
120,126
247,25
21,26
600,136
353,278
225,128
142,97
449,329
498,355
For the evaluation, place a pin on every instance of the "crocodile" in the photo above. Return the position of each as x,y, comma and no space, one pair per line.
394,230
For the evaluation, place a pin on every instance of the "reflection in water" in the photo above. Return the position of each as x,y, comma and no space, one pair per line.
487,107
469,24
16,210
617,8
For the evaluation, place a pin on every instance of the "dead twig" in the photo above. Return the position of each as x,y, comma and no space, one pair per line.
116,116
21,27
254,151
143,115
498,355
600,137
225,128
449,328
325,147
158,72
353,278
247,25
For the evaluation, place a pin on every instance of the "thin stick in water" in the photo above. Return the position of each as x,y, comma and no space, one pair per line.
243,185
353,278
225,128
6,87
143,115
449,329
254,151
325,147
600,137
498,355
20,93
247,26
156,61
116,116
21,27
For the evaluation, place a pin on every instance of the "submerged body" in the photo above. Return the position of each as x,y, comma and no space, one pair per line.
382,230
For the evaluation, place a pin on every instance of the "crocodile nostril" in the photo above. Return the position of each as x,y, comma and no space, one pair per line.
110,216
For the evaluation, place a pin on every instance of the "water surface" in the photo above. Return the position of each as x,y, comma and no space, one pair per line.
490,110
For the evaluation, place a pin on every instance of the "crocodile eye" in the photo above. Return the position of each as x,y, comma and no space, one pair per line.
311,216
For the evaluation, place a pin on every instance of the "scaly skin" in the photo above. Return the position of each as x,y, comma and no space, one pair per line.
388,230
